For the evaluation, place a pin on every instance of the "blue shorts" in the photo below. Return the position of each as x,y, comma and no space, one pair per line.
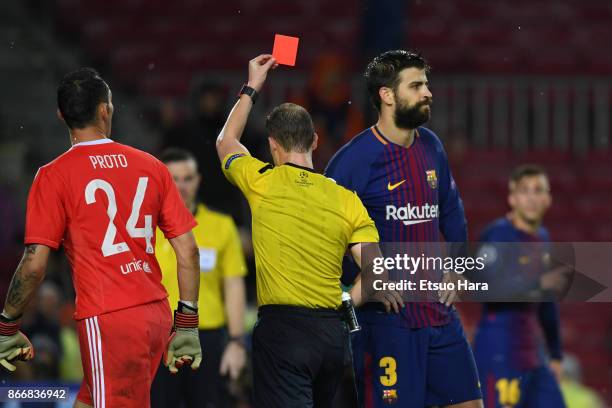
504,386
412,368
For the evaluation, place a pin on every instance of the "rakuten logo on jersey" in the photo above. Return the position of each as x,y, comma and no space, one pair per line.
412,214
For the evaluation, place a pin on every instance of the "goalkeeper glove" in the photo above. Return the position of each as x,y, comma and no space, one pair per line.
184,344
14,345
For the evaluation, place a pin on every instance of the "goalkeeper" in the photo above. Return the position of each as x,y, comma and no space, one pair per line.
105,219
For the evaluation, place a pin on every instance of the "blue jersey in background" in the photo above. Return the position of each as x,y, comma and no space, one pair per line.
508,349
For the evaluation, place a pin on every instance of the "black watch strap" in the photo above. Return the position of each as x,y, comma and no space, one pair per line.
247,90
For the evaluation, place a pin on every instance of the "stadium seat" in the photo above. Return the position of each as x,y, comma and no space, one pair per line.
494,60
431,32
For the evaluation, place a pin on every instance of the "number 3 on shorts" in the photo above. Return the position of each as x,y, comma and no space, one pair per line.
390,377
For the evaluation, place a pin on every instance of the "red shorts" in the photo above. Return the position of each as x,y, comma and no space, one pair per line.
121,352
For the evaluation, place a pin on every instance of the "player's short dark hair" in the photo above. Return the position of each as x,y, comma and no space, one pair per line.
384,70
176,154
291,126
78,96
526,170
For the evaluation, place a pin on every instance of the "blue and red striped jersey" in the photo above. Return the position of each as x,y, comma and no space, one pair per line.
410,194
513,327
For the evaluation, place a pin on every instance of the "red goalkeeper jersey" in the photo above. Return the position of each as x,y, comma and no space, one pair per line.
102,201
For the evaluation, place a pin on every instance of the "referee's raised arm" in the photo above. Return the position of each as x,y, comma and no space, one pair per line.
229,137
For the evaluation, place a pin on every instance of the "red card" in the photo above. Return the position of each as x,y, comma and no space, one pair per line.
285,49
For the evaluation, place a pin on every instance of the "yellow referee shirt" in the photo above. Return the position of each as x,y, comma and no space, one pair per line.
220,256
302,225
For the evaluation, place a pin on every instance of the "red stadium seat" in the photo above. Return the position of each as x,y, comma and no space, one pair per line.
601,230
493,157
595,12
560,211
547,157
424,9
476,11
597,157
426,33
282,8
338,8
569,230
550,61
488,34
495,60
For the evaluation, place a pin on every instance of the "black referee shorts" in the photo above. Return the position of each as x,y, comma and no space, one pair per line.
299,356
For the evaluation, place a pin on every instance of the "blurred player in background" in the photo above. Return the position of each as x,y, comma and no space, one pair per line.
419,357
222,297
512,366
303,223
102,201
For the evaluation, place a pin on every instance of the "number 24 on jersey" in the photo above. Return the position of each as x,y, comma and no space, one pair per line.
109,247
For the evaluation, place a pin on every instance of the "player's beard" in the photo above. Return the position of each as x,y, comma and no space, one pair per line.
411,117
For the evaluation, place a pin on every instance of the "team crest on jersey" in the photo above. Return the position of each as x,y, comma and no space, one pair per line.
432,178
389,396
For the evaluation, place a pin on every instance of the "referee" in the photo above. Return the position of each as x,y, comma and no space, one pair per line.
302,225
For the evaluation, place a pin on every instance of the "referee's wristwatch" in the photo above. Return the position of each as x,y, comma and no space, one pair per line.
247,90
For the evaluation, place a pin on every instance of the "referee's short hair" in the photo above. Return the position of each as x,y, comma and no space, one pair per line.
291,126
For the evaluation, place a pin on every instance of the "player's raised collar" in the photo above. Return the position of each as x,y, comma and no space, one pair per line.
93,142
378,135
383,139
